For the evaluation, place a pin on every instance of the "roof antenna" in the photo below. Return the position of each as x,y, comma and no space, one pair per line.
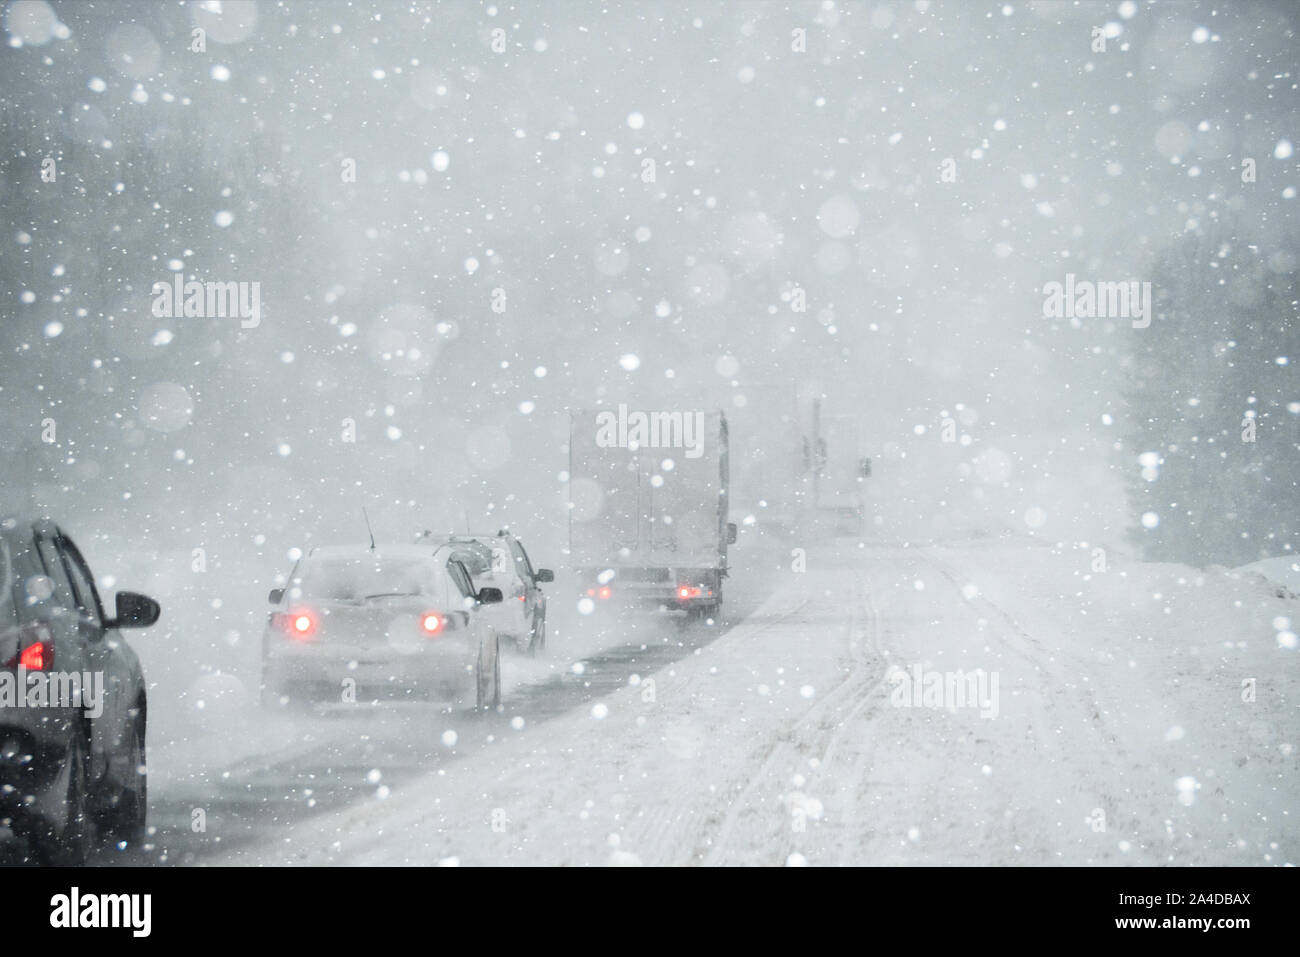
368,529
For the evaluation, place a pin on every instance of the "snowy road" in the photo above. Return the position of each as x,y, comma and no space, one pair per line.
1116,733
243,776
1111,728
336,752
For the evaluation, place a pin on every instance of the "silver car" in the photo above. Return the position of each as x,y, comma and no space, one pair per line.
500,561
397,621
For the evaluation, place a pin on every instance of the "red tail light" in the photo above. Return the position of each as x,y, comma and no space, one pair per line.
38,656
432,623
605,591
295,624
688,591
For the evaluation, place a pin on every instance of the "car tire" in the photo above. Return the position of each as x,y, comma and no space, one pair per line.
487,681
537,646
128,818
71,845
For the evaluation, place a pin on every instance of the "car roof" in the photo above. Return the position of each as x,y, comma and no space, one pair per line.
15,524
379,551
471,536
447,550
475,550
13,520
465,541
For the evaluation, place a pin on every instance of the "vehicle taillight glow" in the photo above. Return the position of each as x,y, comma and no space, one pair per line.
37,657
688,591
605,591
431,623
296,624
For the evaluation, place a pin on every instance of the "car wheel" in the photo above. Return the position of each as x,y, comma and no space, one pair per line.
127,819
71,844
487,681
538,645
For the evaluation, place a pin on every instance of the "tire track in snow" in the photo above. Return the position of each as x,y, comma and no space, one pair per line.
818,730
1093,770
664,819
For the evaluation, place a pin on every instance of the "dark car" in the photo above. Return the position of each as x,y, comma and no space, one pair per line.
72,698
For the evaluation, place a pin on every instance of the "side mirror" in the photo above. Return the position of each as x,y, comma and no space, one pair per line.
276,595
135,611
731,533
489,596
544,575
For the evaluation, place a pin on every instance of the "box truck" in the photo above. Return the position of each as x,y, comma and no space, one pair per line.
840,468
648,503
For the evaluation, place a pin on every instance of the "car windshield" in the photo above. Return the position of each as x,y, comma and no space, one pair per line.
357,579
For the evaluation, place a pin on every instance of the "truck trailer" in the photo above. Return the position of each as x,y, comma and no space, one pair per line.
648,502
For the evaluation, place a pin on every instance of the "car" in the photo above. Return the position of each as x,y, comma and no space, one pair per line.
500,561
397,621
72,756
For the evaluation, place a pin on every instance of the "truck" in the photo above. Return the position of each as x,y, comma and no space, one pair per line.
840,468
808,472
648,509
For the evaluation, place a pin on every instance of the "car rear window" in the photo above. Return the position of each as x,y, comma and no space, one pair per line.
356,579
477,560
26,592
521,559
